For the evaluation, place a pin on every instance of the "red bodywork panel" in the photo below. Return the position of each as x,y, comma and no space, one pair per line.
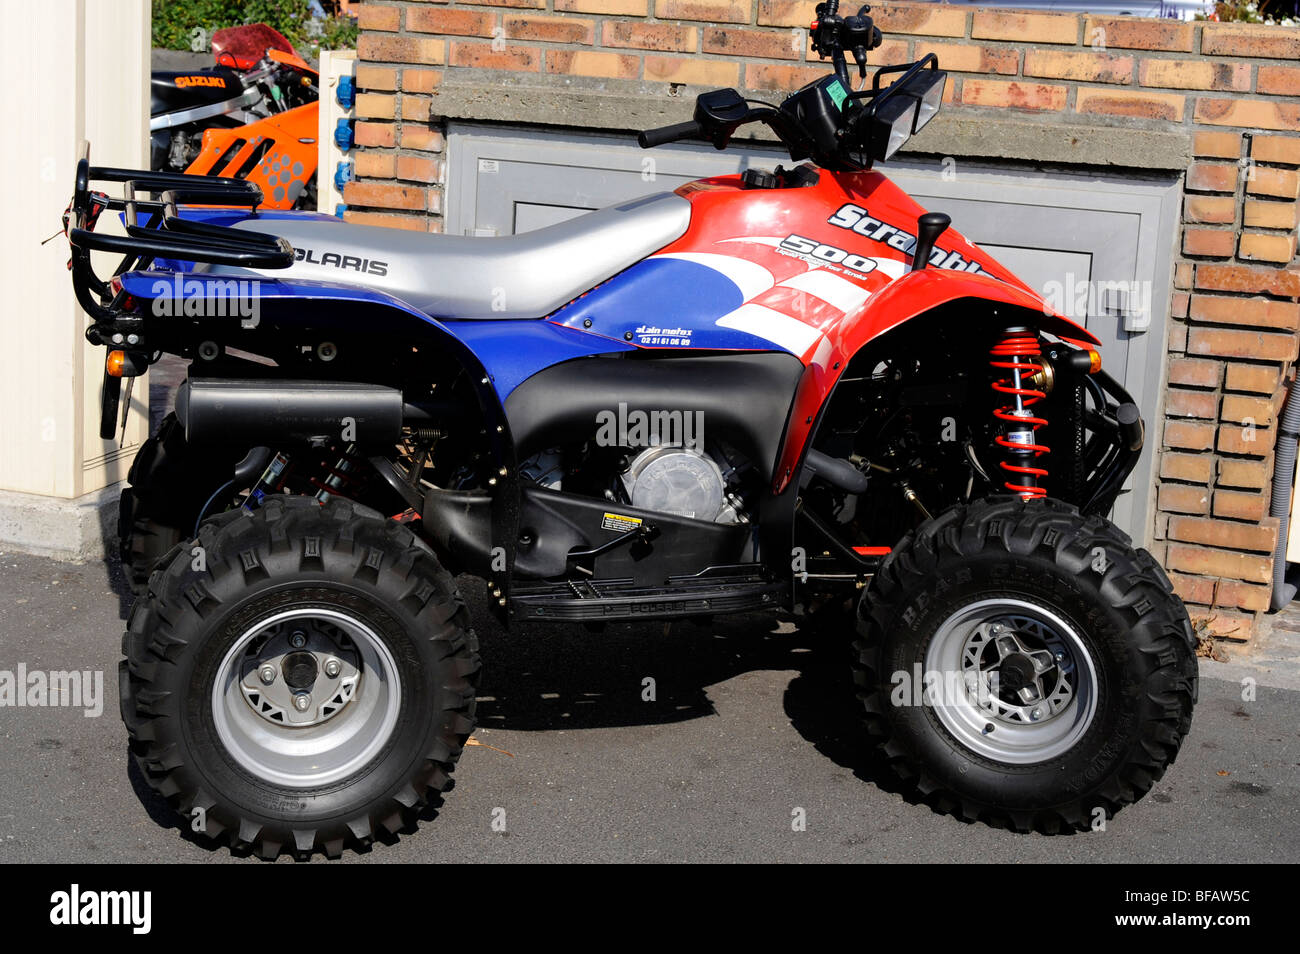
845,220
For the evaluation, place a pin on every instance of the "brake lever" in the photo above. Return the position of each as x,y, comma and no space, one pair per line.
866,36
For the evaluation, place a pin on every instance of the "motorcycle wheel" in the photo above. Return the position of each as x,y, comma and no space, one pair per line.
1025,666
307,687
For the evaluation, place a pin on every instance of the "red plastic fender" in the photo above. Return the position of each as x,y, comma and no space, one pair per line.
919,292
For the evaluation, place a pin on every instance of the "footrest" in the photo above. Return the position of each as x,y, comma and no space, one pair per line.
623,599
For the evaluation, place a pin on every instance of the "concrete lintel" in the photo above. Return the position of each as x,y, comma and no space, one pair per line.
955,134
624,105
499,96
75,531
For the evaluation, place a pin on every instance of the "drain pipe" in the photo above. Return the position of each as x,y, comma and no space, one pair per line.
1283,484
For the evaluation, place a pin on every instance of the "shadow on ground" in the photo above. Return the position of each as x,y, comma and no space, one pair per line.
548,678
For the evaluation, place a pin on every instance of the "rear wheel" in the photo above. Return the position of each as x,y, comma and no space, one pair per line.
1025,666
307,685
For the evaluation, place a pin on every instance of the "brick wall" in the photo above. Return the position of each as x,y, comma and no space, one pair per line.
1232,90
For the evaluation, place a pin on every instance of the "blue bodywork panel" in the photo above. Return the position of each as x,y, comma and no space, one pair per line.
509,350
660,302
515,350
664,302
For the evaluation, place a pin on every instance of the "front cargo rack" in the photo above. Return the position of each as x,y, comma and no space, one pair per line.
154,228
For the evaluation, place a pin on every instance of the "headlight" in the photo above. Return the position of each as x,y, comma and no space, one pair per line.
934,82
897,114
905,108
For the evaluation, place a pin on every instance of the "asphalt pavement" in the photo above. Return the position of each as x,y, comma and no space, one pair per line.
752,721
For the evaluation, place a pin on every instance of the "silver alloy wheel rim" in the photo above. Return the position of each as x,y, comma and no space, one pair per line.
348,722
1036,716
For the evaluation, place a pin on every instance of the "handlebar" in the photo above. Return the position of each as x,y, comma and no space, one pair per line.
824,121
650,138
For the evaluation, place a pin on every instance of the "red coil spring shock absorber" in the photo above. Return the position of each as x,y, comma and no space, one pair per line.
1018,353
343,477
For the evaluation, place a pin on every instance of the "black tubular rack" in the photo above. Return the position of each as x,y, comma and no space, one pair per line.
154,229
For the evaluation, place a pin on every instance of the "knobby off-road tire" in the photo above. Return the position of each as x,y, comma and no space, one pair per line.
170,482
390,679
1052,590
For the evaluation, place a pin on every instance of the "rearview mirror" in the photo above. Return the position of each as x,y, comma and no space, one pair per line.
720,107
719,112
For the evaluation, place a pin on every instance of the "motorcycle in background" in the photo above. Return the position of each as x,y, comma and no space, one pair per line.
253,115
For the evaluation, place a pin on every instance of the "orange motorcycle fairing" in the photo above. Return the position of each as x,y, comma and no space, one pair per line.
278,154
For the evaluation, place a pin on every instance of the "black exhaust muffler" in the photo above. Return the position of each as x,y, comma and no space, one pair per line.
255,411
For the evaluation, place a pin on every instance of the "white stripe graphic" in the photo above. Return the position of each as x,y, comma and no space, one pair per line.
750,278
831,288
891,267
782,330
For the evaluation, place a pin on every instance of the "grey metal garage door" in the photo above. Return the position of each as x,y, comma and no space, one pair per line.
1099,246
502,181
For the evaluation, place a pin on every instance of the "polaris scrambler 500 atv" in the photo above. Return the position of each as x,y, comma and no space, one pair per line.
781,390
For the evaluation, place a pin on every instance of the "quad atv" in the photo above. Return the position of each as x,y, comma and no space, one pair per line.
783,391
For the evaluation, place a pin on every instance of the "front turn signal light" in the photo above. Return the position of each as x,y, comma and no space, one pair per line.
116,363
1084,362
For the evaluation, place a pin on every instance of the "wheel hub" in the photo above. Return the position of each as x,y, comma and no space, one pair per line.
1015,673
300,673
1018,669
306,697
1027,681
300,670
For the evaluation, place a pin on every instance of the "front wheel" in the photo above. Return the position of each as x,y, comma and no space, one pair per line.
1025,666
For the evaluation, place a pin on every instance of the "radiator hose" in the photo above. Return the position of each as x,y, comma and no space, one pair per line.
1283,483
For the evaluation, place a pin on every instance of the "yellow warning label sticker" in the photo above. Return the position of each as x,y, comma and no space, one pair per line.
619,523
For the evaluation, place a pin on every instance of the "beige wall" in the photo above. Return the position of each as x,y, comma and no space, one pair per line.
71,70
